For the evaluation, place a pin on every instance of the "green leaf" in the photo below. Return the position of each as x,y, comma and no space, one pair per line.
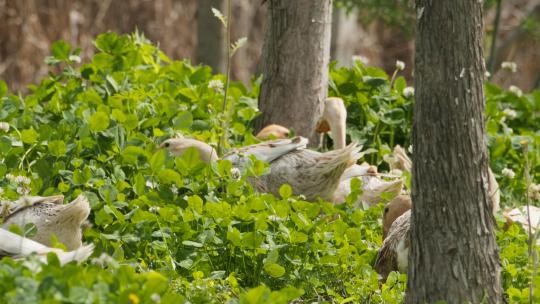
57,148
131,154
191,157
192,244
157,161
183,120
60,50
168,176
29,136
255,295
274,270
111,43
156,282
119,116
196,203
3,88
285,191
99,121
298,237
234,236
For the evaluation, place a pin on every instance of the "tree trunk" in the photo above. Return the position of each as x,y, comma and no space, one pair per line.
294,62
454,256
346,36
210,35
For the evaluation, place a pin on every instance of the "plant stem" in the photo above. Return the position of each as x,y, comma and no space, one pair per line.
531,239
492,49
228,76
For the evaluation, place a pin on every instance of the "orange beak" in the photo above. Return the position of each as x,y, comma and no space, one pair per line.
322,127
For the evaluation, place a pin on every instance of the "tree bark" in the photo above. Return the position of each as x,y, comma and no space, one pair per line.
210,35
454,256
295,58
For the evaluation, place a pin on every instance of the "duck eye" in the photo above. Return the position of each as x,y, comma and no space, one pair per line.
386,210
167,145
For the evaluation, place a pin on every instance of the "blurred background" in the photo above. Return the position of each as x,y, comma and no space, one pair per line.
379,34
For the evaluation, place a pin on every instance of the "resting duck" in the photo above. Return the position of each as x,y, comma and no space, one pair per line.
519,215
394,252
51,217
308,172
399,160
273,132
16,246
372,186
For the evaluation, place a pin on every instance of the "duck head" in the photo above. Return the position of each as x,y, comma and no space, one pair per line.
177,147
273,132
394,209
334,119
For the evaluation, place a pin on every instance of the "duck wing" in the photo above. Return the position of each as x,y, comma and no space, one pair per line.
11,208
393,255
267,151
310,173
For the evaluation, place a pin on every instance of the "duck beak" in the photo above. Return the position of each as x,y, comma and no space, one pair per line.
322,126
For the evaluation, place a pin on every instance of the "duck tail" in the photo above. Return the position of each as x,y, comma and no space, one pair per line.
78,255
343,158
76,211
404,162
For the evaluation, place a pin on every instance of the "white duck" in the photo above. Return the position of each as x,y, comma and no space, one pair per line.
51,217
308,172
399,160
519,215
17,246
334,120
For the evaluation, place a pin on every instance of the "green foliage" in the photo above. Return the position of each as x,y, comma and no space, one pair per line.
176,230
379,116
399,14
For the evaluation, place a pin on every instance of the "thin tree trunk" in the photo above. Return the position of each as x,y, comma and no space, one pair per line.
454,256
210,35
294,62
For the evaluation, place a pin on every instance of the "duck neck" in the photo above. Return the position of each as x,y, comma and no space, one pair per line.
337,128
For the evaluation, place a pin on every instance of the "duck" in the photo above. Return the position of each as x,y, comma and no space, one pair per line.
51,217
334,120
400,161
178,145
309,173
372,185
273,131
519,216
17,247
394,252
